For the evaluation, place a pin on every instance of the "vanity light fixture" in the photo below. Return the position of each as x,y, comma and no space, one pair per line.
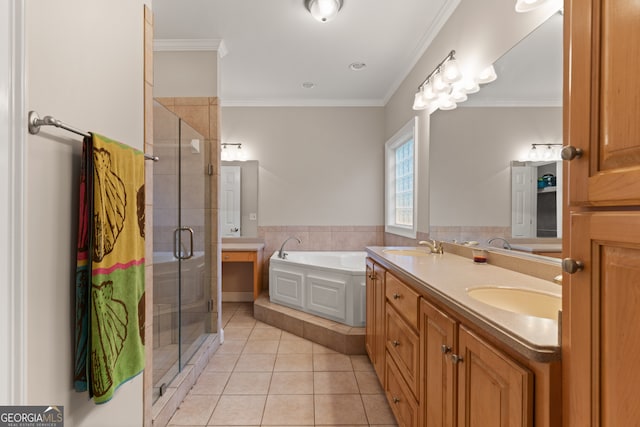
528,5
324,10
446,86
230,155
551,153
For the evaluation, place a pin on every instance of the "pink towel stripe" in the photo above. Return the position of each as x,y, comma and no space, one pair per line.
118,266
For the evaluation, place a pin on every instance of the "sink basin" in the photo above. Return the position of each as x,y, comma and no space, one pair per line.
406,252
519,300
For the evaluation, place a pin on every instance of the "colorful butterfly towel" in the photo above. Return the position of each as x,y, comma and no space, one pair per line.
110,309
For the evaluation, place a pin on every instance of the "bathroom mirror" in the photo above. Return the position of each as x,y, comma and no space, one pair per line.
241,189
472,147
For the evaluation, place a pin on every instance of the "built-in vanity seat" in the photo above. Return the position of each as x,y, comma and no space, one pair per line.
443,356
251,253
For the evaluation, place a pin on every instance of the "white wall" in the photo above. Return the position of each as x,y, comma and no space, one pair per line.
318,165
185,74
471,151
480,32
85,67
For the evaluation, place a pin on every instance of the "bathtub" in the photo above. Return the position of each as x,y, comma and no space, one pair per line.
326,284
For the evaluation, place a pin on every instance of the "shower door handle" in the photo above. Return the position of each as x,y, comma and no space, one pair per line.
177,243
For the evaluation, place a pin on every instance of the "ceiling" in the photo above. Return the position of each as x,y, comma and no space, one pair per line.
274,46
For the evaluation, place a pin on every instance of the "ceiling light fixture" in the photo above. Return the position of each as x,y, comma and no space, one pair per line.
229,155
446,86
324,10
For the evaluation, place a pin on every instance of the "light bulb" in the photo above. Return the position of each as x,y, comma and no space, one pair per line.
324,10
418,102
445,102
468,86
487,75
458,95
428,93
451,71
439,85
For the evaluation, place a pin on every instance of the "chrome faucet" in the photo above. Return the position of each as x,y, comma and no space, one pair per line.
281,253
505,243
434,246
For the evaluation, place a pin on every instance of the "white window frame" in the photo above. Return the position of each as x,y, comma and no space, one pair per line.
407,132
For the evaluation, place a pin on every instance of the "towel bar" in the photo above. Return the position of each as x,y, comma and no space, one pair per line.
35,122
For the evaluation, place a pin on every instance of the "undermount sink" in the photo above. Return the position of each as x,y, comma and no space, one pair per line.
518,300
406,252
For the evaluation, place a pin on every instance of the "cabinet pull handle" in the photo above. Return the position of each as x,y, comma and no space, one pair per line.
455,358
372,276
445,349
570,152
395,343
570,265
396,400
396,296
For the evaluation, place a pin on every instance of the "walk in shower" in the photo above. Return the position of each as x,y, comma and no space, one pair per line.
181,267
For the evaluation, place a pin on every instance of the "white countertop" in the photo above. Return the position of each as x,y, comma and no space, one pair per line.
243,247
446,277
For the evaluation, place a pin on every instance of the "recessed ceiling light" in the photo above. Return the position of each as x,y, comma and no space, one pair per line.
308,85
357,66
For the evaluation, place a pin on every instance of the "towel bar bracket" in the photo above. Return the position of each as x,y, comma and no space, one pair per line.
35,122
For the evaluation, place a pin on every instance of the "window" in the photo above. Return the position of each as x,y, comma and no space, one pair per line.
401,183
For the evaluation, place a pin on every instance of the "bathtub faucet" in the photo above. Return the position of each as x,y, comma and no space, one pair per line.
281,253
505,243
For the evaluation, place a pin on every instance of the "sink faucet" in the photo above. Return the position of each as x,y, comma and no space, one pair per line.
505,243
434,246
281,253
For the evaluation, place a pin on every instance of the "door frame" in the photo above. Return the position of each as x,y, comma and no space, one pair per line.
12,203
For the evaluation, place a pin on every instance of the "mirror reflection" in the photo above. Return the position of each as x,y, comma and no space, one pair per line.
239,199
470,198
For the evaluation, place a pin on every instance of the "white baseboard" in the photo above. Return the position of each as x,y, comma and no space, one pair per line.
237,296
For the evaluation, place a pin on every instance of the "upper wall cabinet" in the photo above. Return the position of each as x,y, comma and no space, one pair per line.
602,102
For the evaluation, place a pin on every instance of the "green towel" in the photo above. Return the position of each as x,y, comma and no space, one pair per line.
116,309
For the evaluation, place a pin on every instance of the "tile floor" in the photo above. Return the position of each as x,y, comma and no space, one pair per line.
263,376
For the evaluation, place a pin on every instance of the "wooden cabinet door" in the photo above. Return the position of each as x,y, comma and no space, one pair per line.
375,317
438,338
493,390
602,101
601,337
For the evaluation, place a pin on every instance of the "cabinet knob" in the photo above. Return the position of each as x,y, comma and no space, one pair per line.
570,265
445,349
396,295
570,152
372,276
395,343
396,400
455,358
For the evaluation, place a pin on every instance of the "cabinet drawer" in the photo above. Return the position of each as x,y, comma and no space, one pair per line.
402,403
241,256
402,343
404,299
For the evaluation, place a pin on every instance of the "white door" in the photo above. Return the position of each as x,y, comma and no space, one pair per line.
230,201
523,208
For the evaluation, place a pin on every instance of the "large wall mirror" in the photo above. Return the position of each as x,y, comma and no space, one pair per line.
239,199
472,147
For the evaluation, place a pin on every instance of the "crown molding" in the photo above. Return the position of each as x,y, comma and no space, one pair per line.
191,45
292,102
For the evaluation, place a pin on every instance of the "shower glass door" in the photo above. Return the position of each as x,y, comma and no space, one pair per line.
180,274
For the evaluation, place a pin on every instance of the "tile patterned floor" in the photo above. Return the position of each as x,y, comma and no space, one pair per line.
263,376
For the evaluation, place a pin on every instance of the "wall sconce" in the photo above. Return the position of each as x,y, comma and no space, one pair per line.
445,87
324,10
232,154
550,153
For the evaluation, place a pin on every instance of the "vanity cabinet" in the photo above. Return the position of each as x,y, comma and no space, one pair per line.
601,380
441,371
375,316
466,380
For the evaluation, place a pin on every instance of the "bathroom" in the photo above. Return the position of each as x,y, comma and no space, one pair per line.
325,191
